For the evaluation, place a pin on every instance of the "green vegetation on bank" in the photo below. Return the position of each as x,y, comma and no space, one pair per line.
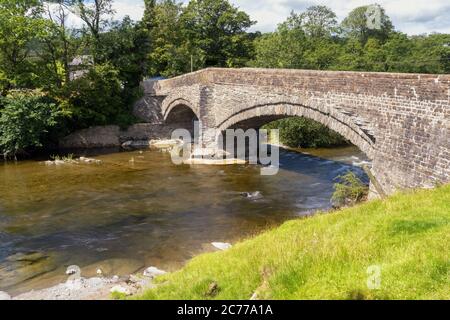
332,256
300,132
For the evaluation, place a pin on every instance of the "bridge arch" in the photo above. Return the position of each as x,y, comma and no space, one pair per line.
258,115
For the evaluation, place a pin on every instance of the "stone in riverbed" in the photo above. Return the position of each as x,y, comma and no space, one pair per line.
165,144
130,145
257,195
121,290
153,272
221,245
88,160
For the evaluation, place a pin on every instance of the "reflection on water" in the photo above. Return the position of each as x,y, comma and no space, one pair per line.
126,214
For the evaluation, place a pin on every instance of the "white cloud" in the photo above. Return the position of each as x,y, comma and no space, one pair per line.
409,16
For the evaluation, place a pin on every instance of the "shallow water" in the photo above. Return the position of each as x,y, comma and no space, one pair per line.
124,215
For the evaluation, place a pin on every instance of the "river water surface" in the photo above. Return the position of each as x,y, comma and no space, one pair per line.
137,209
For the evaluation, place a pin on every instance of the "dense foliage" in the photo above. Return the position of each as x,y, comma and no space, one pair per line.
25,121
305,133
93,72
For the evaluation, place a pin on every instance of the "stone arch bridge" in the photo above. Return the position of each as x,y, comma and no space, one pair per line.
401,121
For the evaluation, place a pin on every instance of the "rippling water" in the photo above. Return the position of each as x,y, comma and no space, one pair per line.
124,215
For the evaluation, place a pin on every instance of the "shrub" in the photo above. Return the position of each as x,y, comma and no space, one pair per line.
349,190
305,133
97,99
25,120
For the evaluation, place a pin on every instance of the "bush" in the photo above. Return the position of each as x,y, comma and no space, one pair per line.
305,133
349,191
25,120
97,99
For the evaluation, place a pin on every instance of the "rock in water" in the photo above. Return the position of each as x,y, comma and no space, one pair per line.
253,195
139,144
4,296
221,245
73,270
153,272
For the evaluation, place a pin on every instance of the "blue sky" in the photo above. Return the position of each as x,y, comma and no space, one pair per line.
409,16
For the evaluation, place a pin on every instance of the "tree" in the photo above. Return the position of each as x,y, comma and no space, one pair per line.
285,48
359,25
96,99
20,24
148,20
25,120
170,54
125,48
431,53
319,22
61,44
218,29
95,14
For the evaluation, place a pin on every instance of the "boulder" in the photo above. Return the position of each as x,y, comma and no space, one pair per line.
153,272
89,160
121,290
131,145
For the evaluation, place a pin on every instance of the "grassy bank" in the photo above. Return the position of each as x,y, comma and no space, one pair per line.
327,256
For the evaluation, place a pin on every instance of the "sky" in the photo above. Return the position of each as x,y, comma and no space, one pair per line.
409,16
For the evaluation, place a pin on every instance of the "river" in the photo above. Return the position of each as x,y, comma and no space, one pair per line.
137,209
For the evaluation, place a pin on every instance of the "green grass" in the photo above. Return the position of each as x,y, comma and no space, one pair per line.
328,256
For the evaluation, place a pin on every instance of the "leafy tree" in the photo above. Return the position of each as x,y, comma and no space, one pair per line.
96,99
356,25
319,22
431,54
284,48
218,29
125,47
25,120
398,51
351,57
148,20
95,13
20,25
60,44
171,52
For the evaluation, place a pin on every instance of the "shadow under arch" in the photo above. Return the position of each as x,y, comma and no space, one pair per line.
181,116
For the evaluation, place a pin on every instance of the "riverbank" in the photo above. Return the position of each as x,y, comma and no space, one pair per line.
396,248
